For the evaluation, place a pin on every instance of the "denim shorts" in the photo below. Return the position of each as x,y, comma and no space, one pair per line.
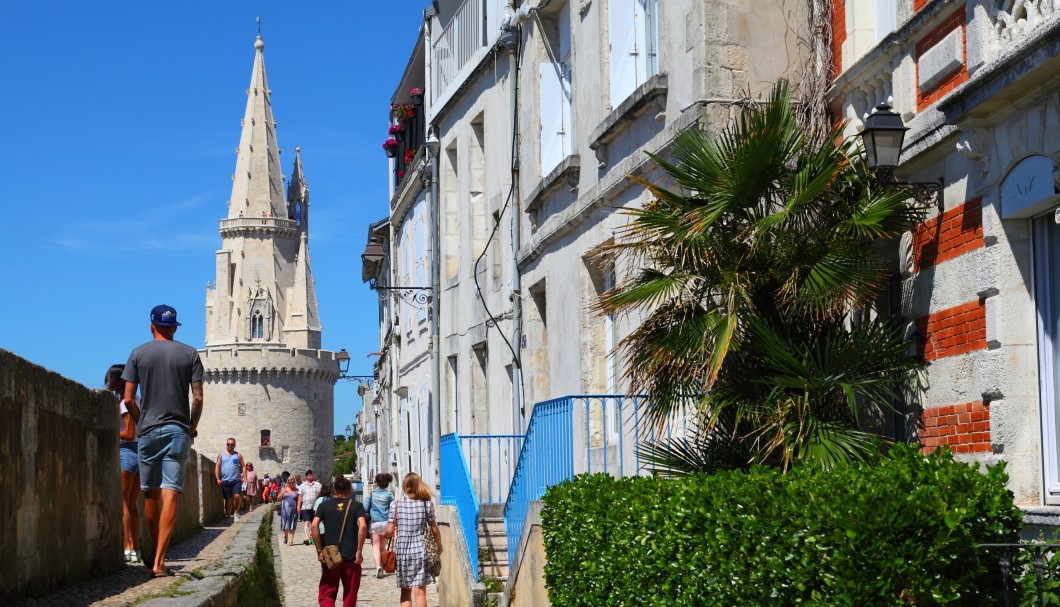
164,458
130,460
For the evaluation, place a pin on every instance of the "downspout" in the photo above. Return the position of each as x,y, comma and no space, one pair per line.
432,144
511,42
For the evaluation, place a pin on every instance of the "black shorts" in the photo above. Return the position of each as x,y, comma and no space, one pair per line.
229,489
307,516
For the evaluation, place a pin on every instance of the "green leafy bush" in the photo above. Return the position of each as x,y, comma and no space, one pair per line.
903,532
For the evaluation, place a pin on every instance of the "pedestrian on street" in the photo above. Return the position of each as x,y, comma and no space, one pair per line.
266,482
288,499
129,458
228,470
378,506
165,371
250,478
409,518
308,493
338,516
325,494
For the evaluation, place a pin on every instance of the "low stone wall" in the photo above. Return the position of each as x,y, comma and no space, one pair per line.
526,583
60,521
456,586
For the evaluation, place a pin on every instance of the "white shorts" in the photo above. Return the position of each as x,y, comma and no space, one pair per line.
378,527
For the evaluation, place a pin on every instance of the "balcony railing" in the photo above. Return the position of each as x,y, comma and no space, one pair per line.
457,43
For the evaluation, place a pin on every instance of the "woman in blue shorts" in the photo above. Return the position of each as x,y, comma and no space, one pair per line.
288,515
130,467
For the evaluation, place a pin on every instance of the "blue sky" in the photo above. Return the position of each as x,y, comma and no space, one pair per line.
120,123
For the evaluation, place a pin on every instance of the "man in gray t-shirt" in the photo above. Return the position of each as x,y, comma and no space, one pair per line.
165,371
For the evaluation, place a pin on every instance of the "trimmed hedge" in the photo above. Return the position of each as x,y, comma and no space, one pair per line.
901,532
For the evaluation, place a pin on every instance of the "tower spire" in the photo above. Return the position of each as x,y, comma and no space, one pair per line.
298,194
257,184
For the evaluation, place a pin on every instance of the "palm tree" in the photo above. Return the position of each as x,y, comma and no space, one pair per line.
757,279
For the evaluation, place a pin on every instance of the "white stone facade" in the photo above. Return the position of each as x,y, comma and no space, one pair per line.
268,384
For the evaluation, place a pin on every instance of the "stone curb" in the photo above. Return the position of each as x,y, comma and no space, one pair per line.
221,580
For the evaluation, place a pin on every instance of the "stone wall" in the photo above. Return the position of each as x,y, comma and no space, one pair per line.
61,519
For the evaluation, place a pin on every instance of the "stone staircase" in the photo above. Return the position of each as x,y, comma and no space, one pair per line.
492,542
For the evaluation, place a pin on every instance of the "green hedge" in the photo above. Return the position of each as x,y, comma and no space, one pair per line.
902,532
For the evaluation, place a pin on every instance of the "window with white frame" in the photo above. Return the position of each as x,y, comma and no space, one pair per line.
634,41
1047,302
557,133
420,235
611,360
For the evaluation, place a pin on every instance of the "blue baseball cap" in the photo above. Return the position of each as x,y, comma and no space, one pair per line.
164,316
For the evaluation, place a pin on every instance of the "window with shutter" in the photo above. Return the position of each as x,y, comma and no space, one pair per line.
622,35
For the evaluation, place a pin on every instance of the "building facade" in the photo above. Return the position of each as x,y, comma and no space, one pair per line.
976,82
268,383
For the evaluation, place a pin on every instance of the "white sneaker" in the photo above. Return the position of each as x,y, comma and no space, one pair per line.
128,556
379,573
237,518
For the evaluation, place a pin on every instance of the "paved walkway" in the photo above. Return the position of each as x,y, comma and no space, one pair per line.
134,582
298,572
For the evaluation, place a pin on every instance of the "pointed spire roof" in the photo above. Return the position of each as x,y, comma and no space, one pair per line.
298,194
257,184
304,317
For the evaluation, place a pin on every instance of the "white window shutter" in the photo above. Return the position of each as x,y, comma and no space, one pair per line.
622,33
553,99
886,18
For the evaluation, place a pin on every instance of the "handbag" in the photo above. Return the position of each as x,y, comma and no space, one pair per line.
332,555
387,558
434,559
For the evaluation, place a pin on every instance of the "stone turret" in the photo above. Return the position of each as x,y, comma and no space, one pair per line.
268,384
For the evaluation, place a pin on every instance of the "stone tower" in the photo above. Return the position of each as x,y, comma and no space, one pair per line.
268,383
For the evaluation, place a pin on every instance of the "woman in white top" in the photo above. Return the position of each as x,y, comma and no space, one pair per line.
130,466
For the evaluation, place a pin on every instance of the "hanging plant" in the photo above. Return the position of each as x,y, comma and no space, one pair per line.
398,112
397,131
390,146
400,174
409,155
410,111
417,96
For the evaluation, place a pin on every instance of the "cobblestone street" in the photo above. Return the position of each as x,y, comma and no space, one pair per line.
298,572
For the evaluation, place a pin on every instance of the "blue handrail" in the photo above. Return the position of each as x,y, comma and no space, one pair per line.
457,490
546,458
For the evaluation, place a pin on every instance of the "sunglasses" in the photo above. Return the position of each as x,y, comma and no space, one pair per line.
231,444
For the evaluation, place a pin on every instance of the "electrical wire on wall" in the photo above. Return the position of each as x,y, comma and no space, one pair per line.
497,223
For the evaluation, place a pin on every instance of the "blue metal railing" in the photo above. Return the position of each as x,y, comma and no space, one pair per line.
547,458
607,428
457,490
491,460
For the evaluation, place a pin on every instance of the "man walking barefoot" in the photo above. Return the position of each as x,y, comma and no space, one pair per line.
229,474
164,370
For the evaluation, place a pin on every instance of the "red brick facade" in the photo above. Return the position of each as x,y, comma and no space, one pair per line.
955,20
839,34
965,428
949,235
952,331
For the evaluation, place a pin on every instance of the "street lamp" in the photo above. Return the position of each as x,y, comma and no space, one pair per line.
349,431
343,358
882,135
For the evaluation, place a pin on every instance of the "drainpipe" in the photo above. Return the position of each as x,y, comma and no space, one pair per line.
433,144
510,39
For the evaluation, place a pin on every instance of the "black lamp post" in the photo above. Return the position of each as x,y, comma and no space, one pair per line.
883,135
349,431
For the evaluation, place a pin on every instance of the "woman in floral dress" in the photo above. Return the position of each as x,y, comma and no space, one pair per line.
409,516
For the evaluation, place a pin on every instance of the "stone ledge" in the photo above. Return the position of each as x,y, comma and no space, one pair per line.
652,92
566,172
222,579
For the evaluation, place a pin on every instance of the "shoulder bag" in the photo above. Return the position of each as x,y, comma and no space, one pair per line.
387,558
434,559
332,555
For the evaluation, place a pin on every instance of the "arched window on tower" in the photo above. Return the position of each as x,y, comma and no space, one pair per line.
257,325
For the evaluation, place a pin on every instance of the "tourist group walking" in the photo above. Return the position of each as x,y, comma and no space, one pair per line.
160,404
